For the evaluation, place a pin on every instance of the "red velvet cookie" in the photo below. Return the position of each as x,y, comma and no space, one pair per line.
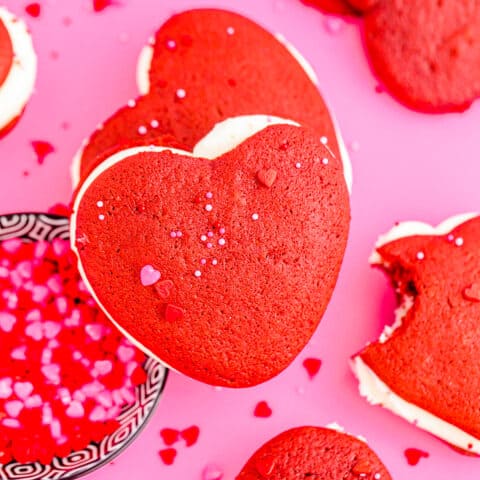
18,65
427,52
425,367
314,452
221,268
203,67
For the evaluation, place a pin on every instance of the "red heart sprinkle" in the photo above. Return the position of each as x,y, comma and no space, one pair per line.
267,177
33,9
173,313
42,149
164,288
265,465
99,5
169,436
190,435
472,292
262,410
312,366
168,455
413,455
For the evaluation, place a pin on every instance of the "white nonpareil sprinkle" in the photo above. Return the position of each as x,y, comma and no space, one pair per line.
198,273
459,242
142,129
181,93
230,30
420,256
255,216
208,207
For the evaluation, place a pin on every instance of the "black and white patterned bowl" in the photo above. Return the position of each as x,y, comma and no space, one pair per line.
35,227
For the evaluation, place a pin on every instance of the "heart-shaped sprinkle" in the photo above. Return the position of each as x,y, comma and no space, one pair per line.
164,288
51,329
168,455
149,275
35,330
19,353
125,354
5,388
39,293
414,455
265,465
75,410
262,410
95,331
33,9
312,366
34,401
212,472
103,367
170,436
172,313
472,292
98,414
22,389
267,177
190,435
13,408
7,321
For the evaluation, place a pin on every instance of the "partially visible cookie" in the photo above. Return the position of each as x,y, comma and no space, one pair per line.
424,367
426,52
314,453
203,67
18,66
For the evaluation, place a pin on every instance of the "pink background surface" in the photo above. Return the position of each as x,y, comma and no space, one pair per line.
408,166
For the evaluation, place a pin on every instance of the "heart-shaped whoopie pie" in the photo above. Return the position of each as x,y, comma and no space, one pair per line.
221,268
18,65
314,453
425,367
202,67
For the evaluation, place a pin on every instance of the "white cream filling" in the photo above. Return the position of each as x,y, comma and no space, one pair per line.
19,84
378,393
143,69
371,386
236,130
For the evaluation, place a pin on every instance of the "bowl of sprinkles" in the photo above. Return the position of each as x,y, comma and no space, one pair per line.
74,392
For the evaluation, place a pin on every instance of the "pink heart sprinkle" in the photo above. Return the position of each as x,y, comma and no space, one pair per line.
13,408
60,247
52,373
33,315
94,331
25,269
54,283
125,354
55,428
23,389
51,329
98,414
62,305
113,412
11,246
105,399
35,330
41,248
4,273
103,367
5,388
47,415
212,472
19,353
92,389
11,423
39,293
75,410
128,395
149,276
7,321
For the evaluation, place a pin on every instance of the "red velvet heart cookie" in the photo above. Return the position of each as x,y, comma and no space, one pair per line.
427,52
219,268
425,367
314,452
18,64
205,66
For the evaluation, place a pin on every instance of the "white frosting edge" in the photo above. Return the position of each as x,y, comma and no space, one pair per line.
143,69
377,392
414,228
19,84
400,313
252,124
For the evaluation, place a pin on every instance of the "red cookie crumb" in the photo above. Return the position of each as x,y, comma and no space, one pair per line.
312,452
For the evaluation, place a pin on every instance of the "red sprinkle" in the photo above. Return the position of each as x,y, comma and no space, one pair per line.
65,371
472,292
99,5
42,149
413,455
164,288
173,313
168,455
267,177
262,410
312,366
33,9
190,435
170,436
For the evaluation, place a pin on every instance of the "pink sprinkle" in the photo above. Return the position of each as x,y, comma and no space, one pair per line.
55,428
52,373
208,207
209,195
203,261
98,414
221,242
105,398
420,255
181,93
325,161
7,321
198,273
333,25
125,354
142,130
212,472
62,305
76,355
214,261
19,353
34,330
459,242
128,395
94,331
103,367
46,356
209,245
51,329
179,234
25,269
39,293
11,423
60,247
131,103
54,283
5,388
13,408
33,315
149,275
154,124
171,45
222,231
210,234
173,234
34,401
450,237
11,246
47,416
40,249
